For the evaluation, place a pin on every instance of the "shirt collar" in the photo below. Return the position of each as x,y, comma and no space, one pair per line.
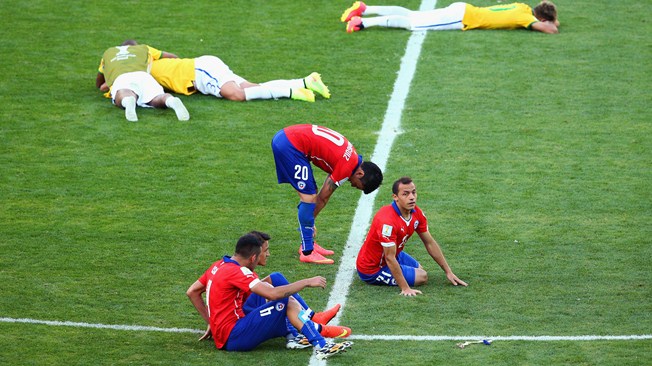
398,210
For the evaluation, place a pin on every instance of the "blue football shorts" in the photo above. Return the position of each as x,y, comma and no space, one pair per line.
384,275
263,323
292,166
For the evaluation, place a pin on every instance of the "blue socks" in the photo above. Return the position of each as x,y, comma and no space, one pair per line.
306,223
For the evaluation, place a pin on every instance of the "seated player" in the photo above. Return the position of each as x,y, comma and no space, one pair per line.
229,282
456,16
382,261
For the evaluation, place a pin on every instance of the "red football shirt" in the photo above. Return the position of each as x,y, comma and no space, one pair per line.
388,228
327,149
227,287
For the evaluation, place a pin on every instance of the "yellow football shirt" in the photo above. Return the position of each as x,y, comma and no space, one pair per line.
507,16
175,74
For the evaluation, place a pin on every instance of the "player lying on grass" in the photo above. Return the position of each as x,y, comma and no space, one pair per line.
294,148
382,261
211,76
230,281
123,77
456,16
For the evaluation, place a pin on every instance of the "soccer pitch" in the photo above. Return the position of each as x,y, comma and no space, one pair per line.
531,154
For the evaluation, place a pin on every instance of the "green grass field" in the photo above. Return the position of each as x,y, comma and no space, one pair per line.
532,154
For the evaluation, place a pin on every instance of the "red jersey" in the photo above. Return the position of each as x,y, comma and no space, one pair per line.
228,285
327,149
388,228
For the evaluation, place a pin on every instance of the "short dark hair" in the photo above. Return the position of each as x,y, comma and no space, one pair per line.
402,180
261,235
248,245
546,10
372,178
129,42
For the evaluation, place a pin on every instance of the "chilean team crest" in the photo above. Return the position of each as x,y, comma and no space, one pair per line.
416,223
301,185
280,306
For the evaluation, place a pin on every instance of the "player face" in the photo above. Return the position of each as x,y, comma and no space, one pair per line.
356,182
406,198
264,254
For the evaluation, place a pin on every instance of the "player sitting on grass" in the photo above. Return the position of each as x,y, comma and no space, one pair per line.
230,281
456,16
382,261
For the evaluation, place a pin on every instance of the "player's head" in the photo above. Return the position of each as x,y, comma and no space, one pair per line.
372,177
249,246
404,193
546,10
264,253
129,42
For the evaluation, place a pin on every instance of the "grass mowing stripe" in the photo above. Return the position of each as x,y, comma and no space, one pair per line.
389,130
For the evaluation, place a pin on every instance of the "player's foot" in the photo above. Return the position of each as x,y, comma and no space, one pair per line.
355,10
354,25
298,342
332,349
316,258
177,105
319,249
325,316
314,83
334,331
303,94
129,103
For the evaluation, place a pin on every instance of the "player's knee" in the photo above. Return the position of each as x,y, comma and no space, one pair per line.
278,279
232,91
421,277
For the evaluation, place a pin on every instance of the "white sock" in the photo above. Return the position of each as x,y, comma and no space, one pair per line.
389,21
386,10
290,84
266,92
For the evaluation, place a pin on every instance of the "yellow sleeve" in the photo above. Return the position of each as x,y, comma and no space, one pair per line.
154,53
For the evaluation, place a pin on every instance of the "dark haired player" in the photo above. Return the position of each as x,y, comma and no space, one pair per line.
230,281
382,261
294,148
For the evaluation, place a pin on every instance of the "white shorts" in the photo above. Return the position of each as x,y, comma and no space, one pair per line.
141,83
211,74
448,18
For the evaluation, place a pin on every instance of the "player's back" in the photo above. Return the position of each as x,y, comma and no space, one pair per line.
507,16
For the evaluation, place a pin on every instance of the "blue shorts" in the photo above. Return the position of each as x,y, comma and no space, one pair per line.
385,277
265,322
292,166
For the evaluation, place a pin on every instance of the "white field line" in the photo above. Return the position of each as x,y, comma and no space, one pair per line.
141,328
390,129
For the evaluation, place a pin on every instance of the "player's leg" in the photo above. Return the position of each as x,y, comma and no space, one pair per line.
263,323
416,275
126,99
323,317
167,100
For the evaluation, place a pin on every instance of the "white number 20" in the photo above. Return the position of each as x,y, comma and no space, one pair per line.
300,172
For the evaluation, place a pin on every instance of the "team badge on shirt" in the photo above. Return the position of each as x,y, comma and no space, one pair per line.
301,185
387,230
416,223
280,306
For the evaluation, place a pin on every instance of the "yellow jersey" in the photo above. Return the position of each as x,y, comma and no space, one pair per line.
175,74
507,16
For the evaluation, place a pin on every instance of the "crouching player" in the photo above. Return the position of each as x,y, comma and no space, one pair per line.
382,261
229,282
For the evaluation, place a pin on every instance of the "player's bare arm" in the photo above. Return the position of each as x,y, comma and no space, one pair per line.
397,273
324,195
99,81
276,293
545,27
436,253
194,293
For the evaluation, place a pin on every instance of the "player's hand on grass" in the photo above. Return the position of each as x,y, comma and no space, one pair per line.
454,280
410,292
207,334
